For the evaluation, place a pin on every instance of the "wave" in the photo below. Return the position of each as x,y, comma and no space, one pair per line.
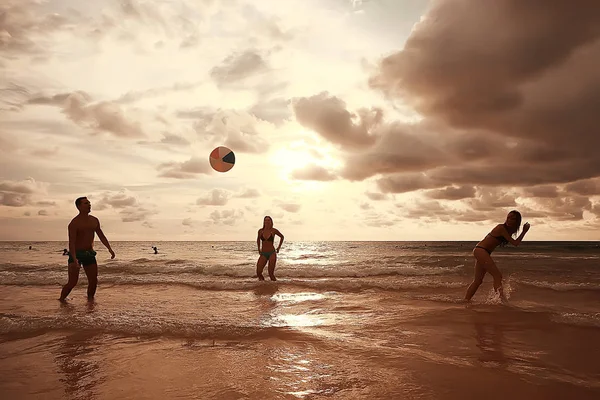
579,319
243,269
326,284
559,286
132,324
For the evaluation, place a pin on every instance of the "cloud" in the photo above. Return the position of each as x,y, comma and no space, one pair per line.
365,206
249,193
402,183
43,213
130,208
184,170
20,193
327,115
401,148
134,214
452,193
187,222
521,72
491,199
133,96
313,173
548,191
568,208
101,116
226,217
275,111
233,128
290,207
216,197
376,196
46,203
238,66
23,27
118,200
586,187
174,140
45,152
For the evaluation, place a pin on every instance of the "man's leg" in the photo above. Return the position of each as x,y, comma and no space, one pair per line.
73,278
91,271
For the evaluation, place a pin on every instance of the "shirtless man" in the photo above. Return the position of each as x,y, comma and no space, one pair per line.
81,248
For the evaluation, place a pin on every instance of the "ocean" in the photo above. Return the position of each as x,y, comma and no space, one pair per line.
345,320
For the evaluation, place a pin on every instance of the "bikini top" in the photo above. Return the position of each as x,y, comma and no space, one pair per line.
501,239
269,239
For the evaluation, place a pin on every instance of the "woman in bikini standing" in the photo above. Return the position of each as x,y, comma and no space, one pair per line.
266,235
501,235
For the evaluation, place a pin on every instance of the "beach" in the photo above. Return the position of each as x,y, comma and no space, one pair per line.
345,320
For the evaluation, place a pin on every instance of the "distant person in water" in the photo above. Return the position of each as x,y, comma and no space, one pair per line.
266,236
501,235
155,250
81,248
65,252
29,247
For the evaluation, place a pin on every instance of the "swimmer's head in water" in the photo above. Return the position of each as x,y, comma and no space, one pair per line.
513,221
82,203
268,222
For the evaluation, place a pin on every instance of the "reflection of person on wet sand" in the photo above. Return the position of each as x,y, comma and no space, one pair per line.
81,373
81,248
490,340
501,235
266,235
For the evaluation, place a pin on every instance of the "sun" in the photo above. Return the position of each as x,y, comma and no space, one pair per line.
288,160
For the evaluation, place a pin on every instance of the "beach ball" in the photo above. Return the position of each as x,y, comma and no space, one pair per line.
222,159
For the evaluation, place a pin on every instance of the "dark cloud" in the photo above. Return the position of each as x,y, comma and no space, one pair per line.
402,183
401,148
185,170
327,115
216,197
586,187
549,191
313,173
101,116
525,71
238,66
452,193
490,199
568,208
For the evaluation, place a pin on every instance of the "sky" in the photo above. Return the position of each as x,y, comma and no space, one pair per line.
349,120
